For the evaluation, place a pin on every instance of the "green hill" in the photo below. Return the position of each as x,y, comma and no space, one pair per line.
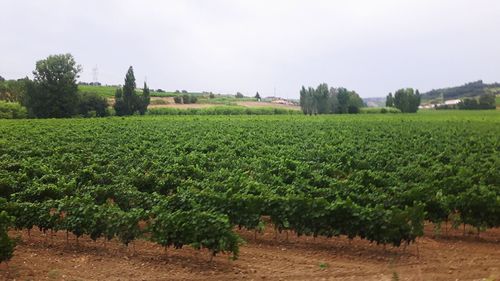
472,89
109,91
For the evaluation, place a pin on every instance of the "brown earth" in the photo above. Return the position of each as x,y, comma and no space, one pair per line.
168,102
267,104
446,257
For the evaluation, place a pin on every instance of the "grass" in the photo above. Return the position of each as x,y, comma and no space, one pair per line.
374,110
109,91
103,91
323,265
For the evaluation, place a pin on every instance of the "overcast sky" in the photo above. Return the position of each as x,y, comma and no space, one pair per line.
373,47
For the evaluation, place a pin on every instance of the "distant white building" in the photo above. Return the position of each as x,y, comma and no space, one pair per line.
446,103
280,101
426,106
452,102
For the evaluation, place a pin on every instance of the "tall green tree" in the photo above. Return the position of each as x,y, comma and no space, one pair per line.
127,101
129,96
389,101
145,99
323,100
343,98
407,100
487,101
257,96
355,102
321,96
53,92
119,105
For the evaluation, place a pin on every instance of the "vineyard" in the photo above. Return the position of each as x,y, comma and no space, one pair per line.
191,180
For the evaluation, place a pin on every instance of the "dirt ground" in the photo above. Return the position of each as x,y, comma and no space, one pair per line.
267,104
168,102
446,257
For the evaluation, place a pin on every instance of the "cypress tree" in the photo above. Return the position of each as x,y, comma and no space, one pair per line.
129,97
145,99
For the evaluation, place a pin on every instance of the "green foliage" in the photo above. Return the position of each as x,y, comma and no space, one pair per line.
145,100
7,244
223,110
53,93
127,101
389,102
327,101
469,90
239,95
92,105
189,180
14,90
407,100
377,110
11,110
103,91
485,101
199,229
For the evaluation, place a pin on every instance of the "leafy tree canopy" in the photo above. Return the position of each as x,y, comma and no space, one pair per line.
53,93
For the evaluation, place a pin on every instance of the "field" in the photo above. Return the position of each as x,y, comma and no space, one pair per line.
209,181
165,99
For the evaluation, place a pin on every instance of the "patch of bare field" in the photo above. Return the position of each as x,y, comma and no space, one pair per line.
433,257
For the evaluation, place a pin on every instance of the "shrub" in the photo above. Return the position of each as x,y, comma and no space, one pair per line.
92,105
158,102
378,110
12,110
178,99
7,245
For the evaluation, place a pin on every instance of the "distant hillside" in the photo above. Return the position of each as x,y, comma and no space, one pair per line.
472,89
109,91
374,102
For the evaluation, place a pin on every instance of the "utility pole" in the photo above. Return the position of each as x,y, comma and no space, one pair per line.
95,75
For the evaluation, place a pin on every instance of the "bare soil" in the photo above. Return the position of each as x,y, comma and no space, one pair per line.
267,104
444,257
182,106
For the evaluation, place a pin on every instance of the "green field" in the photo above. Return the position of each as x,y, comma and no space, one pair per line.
103,91
225,110
192,179
109,91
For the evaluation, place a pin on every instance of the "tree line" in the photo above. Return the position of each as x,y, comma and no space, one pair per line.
468,90
53,92
407,100
485,101
127,102
325,100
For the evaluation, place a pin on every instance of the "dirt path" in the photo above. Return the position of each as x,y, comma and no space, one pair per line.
453,257
267,104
